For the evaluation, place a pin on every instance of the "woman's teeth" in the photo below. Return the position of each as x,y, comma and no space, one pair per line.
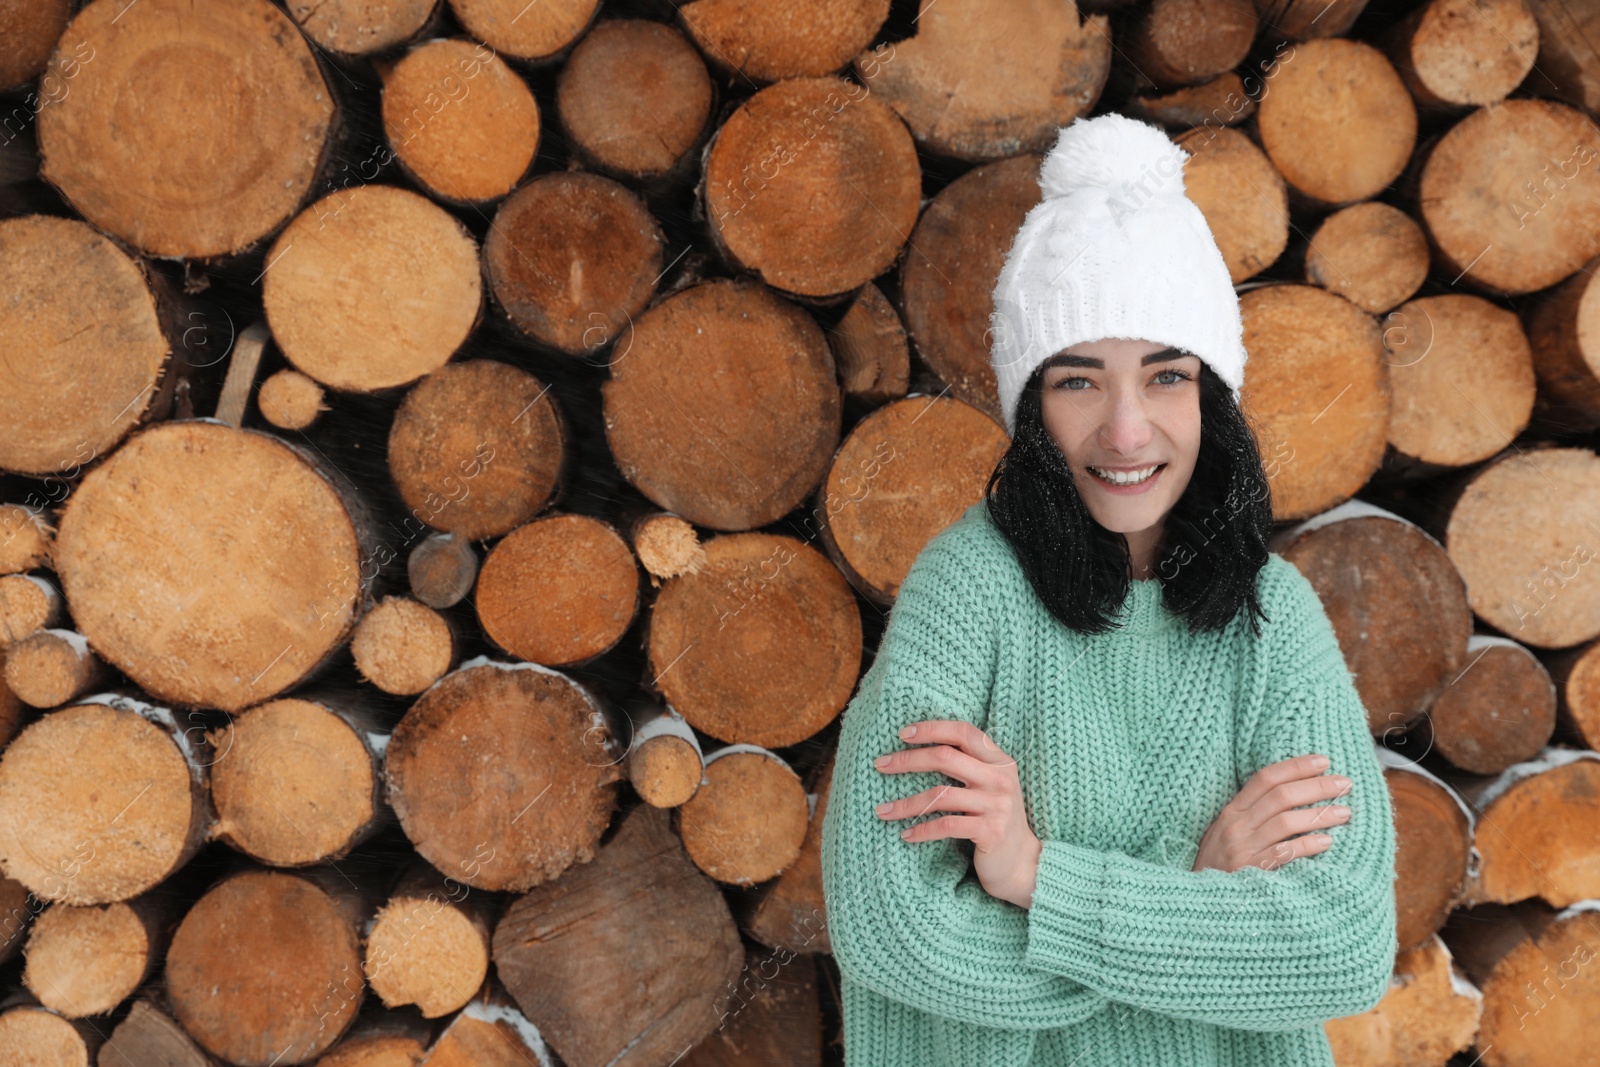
1126,477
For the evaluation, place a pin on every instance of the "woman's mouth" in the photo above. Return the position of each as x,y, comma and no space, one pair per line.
1138,478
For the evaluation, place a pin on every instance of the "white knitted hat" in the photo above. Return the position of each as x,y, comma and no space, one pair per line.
1115,249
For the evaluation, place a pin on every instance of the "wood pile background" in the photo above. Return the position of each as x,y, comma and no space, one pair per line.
459,455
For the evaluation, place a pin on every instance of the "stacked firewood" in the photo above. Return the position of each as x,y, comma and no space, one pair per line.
458,455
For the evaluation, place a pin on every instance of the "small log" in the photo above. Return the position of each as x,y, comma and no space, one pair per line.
1220,101
244,358
566,948
1537,825
335,273
665,763
942,81
1429,1014
1317,381
871,350
759,42
86,960
1434,859
906,471
28,602
27,539
573,258
30,34
1185,42
1566,357
441,570
947,279
539,33
298,781
403,646
31,1034
491,1031
588,583
102,800
470,765
290,401
789,913
812,185
1338,122
1520,532
148,1035
266,966
1306,20
50,667
360,27
1500,710
727,407
635,98
1396,603
746,822
464,125
1576,674
429,943
1251,229
477,449
748,601
198,175
392,1039
1372,254
1505,197
186,523
773,1017
665,545
1456,54
1567,67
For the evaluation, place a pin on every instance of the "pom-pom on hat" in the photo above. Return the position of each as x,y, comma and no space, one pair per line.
1115,249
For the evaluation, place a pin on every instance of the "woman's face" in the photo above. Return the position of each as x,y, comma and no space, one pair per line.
1125,406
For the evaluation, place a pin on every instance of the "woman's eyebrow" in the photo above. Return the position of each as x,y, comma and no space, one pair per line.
1063,359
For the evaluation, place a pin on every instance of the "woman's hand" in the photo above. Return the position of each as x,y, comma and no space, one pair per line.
1257,828
990,811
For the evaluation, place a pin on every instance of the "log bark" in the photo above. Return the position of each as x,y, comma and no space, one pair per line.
491,1031
563,950
1429,1014
573,258
478,448
747,821
429,943
48,668
1500,710
1251,227
1456,54
756,42
335,273
1372,254
774,1017
503,775
1317,389
906,471
726,408
403,646
750,599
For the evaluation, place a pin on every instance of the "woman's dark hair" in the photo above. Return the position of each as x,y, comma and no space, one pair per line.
1213,544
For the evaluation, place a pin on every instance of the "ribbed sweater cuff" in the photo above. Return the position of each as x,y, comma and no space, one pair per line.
1064,935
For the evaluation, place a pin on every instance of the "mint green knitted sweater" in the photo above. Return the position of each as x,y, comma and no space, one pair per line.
1128,744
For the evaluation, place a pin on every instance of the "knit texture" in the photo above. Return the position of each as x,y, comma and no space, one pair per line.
1128,745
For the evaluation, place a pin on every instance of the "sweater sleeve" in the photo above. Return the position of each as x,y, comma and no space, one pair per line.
1254,949
903,918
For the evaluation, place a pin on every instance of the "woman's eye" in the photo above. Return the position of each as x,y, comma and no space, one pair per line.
1062,383
1182,377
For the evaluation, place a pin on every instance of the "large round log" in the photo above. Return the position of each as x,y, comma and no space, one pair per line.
1500,710
1242,196
429,943
1372,254
746,822
1464,53
214,566
756,41
403,646
1184,42
85,960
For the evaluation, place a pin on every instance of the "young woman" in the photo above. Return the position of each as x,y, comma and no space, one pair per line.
1078,813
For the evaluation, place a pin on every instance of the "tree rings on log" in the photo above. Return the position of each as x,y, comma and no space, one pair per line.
1251,228
1521,534
463,124
87,345
477,448
526,31
1509,198
503,775
360,27
634,97
337,272
573,258
746,822
1372,254
717,351
203,170
100,801
1464,53
215,566
762,646
403,646
560,590
765,42
812,184
943,81
1338,122
1396,603
947,281
906,472
1317,389
266,968
565,949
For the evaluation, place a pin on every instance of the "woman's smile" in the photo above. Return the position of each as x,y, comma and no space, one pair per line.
1127,481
